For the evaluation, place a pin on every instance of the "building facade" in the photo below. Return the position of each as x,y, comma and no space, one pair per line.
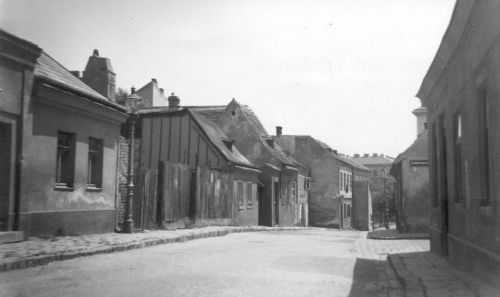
460,91
412,188
66,140
329,205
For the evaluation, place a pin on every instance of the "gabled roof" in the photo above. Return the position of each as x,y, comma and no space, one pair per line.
213,132
217,137
257,126
212,113
50,71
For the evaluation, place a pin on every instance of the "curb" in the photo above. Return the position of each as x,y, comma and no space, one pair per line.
413,237
40,260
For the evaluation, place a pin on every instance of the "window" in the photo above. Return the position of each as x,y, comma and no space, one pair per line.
249,195
307,184
94,178
294,192
65,159
457,152
348,214
239,194
484,148
434,160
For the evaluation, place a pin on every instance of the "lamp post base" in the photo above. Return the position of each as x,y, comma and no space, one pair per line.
128,227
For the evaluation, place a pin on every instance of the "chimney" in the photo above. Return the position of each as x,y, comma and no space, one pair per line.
76,74
335,152
375,155
173,101
132,90
421,114
356,155
99,75
162,91
154,81
366,155
279,130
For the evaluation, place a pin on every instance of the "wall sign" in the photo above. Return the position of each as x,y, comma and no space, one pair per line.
419,163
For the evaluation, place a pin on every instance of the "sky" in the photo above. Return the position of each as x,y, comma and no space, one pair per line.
344,71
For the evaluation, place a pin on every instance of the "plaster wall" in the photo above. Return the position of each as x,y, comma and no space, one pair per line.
473,69
44,209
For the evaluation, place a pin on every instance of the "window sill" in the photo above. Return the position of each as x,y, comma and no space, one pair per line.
241,207
249,206
93,189
62,187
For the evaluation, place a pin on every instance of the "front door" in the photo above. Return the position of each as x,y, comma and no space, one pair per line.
6,175
276,200
443,173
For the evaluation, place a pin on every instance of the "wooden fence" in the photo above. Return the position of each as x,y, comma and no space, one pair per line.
174,192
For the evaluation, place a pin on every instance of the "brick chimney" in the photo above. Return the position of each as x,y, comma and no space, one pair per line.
356,155
173,101
99,75
279,130
421,114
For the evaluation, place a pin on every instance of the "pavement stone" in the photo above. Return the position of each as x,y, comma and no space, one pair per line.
38,251
427,274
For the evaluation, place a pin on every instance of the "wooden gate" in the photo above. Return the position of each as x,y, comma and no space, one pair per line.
214,194
174,192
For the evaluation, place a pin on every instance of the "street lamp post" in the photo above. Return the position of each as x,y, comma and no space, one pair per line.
132,102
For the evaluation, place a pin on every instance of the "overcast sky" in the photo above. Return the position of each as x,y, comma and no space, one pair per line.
343,71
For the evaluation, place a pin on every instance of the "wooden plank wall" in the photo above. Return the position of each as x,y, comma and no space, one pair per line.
145,200
169,194
214,194
176,139
176,192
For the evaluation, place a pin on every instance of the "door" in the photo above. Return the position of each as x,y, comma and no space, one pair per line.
276,200
443,189
6,175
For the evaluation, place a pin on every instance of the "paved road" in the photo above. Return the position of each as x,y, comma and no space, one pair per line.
315,262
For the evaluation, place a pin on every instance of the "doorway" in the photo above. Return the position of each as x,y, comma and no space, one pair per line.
276,200
6,175
443,189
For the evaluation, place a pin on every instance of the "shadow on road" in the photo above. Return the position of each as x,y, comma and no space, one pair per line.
370,278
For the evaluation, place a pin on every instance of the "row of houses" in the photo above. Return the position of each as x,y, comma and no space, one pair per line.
78,158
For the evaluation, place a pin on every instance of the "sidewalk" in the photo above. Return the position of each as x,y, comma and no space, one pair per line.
394,234
425,274
36,251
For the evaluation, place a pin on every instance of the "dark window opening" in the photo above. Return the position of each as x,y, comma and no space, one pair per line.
484,148
94,178
65,159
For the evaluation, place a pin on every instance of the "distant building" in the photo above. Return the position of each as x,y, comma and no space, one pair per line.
412,189
460,91
331,195
381,185
152,95
59,146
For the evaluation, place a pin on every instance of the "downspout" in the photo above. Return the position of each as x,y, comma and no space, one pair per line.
19,156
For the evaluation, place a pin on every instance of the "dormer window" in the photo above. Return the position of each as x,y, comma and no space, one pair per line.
228,143
270,142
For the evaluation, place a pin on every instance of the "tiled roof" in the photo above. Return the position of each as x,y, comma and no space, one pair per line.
54,73
217,137
372,160
354,163
212,113
276,150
